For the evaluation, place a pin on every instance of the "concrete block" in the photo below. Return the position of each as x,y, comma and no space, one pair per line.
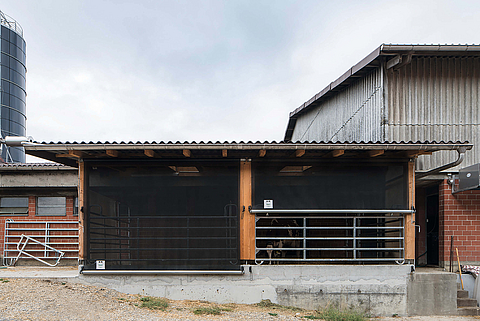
432,294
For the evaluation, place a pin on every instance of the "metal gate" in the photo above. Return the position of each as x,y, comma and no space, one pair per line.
59,235
295,236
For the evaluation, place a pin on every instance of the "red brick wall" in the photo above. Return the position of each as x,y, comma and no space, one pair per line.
459,217
32,217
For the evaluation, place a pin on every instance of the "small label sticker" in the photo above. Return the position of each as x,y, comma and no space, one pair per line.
100,265
267,203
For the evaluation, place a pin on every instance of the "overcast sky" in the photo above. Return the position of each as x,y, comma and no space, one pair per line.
205,70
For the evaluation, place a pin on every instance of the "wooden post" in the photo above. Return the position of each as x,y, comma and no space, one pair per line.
410,218
247,220
82,210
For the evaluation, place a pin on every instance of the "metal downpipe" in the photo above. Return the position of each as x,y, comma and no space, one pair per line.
461,156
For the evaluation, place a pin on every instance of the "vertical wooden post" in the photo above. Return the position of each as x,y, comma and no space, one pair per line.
410,218
81,210
247,220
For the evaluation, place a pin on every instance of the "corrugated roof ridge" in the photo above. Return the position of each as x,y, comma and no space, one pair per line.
238,143
47,164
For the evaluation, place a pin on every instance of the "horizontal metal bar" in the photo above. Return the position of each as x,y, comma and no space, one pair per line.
38,250
166,272
178,217
332,238
326,228
380,249
327,211
101,249
42,229
395,217
164,238
164,227
43,236
42,222
332,260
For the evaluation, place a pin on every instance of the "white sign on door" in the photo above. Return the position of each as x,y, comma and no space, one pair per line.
267,203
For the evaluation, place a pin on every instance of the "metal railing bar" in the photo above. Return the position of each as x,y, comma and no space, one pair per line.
164,227
158,249
42,229
380,249
308,228
206,259
166,238
386,216
42,222
331,260
179,217
330,211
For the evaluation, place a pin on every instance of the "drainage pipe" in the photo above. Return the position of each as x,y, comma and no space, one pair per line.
461,156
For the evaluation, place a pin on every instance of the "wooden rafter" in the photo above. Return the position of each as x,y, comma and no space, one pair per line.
375,153
149,152
338,152
76,153
299,152
112,152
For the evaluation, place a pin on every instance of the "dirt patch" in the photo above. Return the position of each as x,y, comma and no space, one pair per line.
43,299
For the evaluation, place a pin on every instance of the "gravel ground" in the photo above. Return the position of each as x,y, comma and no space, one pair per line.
43,299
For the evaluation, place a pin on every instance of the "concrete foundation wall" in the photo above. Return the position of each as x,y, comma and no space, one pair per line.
432,294
378,290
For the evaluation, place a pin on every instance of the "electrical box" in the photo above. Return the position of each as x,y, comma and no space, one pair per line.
469,178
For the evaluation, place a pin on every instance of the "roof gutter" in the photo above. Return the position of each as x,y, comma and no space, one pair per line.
461,156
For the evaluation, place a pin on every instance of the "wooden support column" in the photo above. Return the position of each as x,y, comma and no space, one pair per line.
247,220
81,210
409,218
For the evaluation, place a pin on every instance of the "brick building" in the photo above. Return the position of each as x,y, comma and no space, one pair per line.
39,200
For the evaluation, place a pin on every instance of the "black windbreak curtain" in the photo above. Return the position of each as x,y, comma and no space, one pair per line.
341,185
163,215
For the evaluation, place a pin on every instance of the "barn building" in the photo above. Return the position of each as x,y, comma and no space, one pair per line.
300,224
413,93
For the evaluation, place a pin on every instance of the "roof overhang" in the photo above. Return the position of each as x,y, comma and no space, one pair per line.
70,153
372,61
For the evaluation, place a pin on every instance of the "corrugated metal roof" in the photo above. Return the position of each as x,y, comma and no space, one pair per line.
232,144
373,61
35,166
70,152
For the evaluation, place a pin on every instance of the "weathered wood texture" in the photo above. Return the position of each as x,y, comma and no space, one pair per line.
247,220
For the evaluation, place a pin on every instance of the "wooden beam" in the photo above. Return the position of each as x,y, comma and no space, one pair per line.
299,152
338,152
224,153
187,153
262,152
63,155
409,218
149,152
375,153
247,220
112,152
76,153
81,210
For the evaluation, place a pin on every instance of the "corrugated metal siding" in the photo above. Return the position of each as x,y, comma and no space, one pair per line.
435,99
353,114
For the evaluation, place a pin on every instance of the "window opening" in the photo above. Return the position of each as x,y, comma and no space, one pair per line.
51,205
13,205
